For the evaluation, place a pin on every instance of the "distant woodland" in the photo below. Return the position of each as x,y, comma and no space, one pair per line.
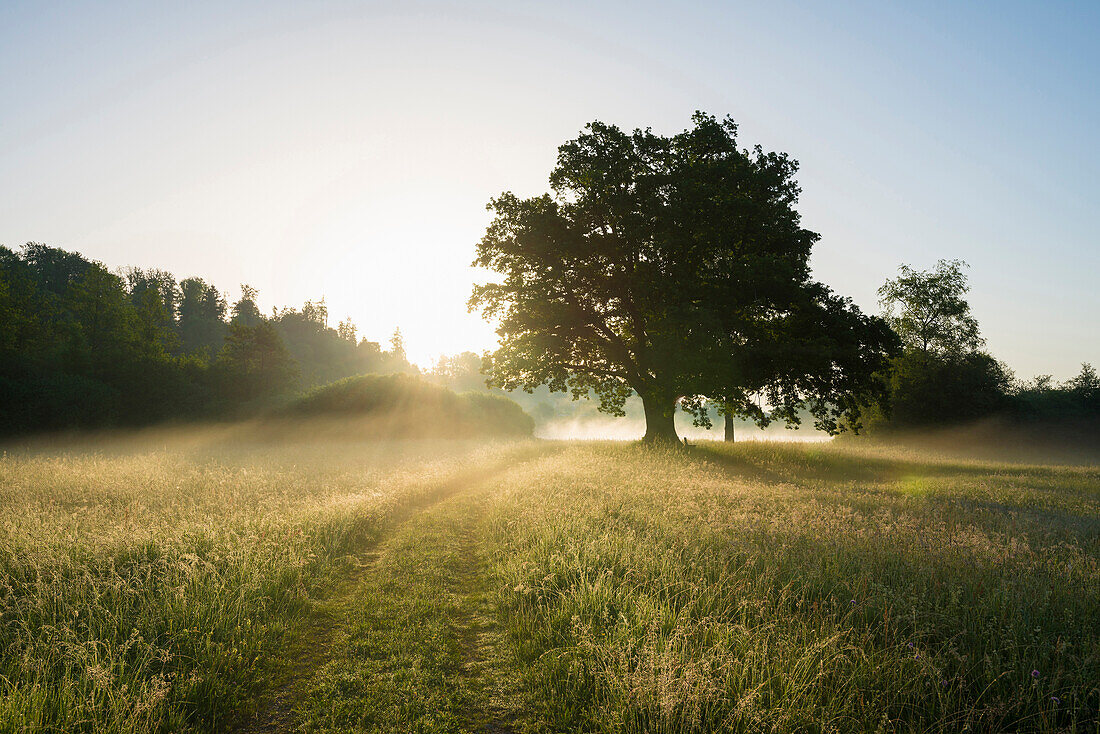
82,346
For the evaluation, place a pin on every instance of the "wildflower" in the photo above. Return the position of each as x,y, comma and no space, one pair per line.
910,645
1055,700
1035,674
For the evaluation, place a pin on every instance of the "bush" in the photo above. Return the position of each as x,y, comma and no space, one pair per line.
406,406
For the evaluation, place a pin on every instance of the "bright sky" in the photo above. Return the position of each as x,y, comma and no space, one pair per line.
348,149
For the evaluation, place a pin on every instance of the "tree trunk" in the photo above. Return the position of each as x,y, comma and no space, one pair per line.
729,429
660,426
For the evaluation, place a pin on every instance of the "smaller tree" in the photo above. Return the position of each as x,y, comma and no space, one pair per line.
942,376
397,346
347,330
929,311
317,312
1086,384
245,311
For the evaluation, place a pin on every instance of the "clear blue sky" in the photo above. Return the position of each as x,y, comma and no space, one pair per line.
347,150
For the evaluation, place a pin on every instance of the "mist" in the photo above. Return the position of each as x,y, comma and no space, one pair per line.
632,428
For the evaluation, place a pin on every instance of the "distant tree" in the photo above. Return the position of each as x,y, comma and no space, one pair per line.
81,346
1086,384
202,324
928,309
245,311
28,317
942,377
139,281
156,334
104,315
255,364
346,330
370,355
317,312
397,346
677,268
461,373
54,268
956,388
1071,402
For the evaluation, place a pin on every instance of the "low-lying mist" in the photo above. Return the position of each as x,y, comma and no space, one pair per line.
608,428
1005,441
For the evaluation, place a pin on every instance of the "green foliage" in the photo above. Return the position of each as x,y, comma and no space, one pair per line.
254,365
675,268
404,405
201,317
929,310
928,391
324,354
461,373
1076,401
245,311
943,379
82,347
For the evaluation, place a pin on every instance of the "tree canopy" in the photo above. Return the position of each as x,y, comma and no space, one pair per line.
929,311
675,267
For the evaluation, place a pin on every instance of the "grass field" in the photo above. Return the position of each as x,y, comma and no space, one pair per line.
213,585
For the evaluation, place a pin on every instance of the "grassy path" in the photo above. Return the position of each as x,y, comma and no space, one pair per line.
611,588
408,641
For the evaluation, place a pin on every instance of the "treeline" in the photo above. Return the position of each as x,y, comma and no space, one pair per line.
944,377
81,346
941,377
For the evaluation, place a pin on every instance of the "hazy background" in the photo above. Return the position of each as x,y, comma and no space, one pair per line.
347,150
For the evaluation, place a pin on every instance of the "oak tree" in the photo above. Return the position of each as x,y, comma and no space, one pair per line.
677,268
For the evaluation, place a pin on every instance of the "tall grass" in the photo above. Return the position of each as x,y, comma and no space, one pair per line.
765,588
145,590
148,585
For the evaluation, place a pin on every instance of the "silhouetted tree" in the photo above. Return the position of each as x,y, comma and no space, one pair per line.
677,268
955,388
81,346
1086,386
346,330
941,377
397,346
202,324
1075,401
317,312
461,372
245,311
929,311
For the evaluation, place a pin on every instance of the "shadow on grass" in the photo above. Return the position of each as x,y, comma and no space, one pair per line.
800,465
1047,509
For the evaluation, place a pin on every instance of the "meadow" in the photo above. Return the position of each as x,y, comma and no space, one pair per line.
204,582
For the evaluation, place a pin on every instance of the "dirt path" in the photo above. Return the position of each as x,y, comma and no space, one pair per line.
407,640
